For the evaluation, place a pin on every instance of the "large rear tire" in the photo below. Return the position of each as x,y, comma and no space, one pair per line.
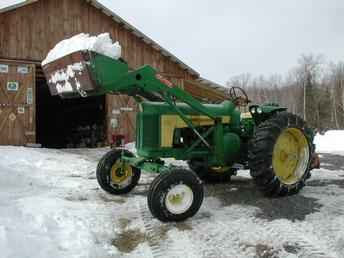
175,195
280,155
114,176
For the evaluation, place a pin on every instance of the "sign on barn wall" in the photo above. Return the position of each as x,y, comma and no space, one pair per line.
114,123
12,117
29,96
12,86
23,69
3,68
21,110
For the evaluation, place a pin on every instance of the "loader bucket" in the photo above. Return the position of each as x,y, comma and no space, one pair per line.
83,74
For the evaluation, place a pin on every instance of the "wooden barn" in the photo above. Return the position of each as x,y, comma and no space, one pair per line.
28,114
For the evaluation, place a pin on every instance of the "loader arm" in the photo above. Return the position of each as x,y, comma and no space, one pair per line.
146,80
115,77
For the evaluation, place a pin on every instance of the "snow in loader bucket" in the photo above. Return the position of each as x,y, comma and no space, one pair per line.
69,76
83,74
71,66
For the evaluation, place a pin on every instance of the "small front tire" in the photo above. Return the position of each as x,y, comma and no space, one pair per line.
175,195
114,176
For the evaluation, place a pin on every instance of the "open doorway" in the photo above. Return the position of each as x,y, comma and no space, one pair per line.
68,123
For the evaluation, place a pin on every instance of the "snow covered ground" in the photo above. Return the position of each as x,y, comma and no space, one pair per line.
51,206
331,142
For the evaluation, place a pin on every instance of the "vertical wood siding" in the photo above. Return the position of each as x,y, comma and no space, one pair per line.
29,32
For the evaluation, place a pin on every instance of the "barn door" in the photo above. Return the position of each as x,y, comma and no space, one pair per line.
17,104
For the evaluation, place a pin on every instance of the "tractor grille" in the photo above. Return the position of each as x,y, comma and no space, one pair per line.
148,133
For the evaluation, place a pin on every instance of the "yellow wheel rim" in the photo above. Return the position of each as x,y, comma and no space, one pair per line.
121,173
290,156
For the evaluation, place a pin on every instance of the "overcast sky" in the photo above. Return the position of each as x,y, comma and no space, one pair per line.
223,38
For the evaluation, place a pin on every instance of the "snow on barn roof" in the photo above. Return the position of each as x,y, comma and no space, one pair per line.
213,85
17,5
125,24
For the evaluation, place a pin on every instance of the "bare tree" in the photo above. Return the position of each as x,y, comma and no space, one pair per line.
309,72
312,89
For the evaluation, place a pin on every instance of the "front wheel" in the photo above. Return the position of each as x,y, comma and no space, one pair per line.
175,195
116,176
280,155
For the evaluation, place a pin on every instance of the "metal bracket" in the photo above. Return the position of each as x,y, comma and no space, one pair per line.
167,98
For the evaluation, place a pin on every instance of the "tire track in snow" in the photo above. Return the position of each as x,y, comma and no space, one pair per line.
211,242
332,217
216,247
310,246
161,244
335,207
214,238
152,236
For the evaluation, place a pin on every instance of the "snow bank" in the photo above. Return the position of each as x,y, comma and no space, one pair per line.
101,44
331,141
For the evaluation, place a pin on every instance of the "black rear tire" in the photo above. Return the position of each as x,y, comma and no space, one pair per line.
104,173
261,155
160,193
207,174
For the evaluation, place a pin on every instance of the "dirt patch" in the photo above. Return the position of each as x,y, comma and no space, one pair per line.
128,240
76,198
295,207
115,199
124,223
183,226
263,251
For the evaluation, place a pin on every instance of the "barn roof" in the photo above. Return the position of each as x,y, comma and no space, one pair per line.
125,24
213,85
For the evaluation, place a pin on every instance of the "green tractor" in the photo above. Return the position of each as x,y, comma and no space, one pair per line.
215,139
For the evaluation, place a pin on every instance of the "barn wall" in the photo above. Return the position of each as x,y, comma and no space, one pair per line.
29,32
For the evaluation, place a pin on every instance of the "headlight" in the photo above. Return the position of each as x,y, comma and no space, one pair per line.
253,111
259,110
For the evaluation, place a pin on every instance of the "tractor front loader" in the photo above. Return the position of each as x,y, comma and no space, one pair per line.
275,145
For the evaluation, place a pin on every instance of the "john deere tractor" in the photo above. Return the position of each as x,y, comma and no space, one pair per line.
214,139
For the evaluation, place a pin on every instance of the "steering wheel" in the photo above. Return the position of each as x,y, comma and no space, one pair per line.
238,96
